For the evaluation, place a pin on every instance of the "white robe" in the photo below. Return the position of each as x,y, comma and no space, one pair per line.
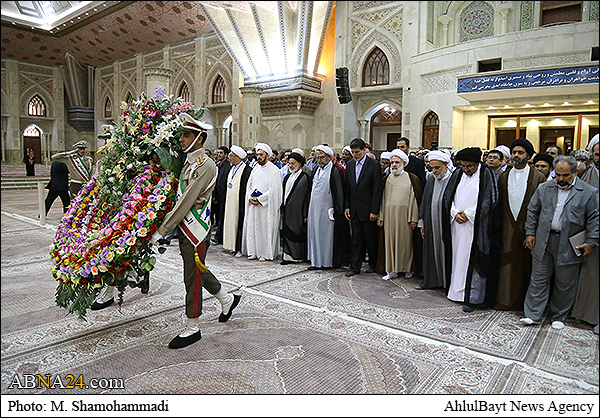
465,199
260,235
232,204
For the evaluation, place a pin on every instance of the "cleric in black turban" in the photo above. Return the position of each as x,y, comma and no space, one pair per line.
296,156
472,154
542,156
525,144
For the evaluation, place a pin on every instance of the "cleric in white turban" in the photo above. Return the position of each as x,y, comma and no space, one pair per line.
264,194
438,156
239,151
327,150
265,147
398,216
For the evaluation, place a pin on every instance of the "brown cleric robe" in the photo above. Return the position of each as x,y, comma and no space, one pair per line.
515,260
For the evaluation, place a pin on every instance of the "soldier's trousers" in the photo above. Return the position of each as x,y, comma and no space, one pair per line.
195,280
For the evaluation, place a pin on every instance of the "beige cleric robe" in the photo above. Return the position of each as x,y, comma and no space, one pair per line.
398,209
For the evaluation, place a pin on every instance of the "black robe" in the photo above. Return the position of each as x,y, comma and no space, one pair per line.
295,211
487,232
242,206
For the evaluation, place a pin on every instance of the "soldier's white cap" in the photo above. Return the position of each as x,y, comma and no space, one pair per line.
191,124
80,144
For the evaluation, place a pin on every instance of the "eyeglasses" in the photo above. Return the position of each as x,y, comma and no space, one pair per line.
493,157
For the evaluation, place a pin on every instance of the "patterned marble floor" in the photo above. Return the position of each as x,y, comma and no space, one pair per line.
294,332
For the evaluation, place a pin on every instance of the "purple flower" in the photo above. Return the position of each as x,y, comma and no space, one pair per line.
138,224
152,198
121,242
142,216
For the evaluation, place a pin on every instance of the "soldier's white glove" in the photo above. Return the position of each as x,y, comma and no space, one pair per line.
155,238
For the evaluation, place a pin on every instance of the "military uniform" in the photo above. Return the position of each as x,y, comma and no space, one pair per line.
81,168
198,176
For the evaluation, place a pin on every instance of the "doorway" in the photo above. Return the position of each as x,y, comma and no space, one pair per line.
562,137
32,138
507,136
384,125
392,140
431,130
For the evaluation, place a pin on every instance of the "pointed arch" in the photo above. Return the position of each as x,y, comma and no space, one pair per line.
129,97
430,129
32,138
219,90
108,111
365,47
184,92
218,70
376,69
27,96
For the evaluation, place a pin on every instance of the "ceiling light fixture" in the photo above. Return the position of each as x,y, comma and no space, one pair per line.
546,104
590,101
491,107
506,106
566,103
527,105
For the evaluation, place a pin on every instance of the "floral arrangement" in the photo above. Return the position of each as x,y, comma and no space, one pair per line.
103,237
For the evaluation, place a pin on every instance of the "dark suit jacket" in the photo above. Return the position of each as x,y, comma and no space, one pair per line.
221,185
59,177
417,167
364,197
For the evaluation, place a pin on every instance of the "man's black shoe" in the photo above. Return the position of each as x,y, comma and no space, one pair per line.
179,342
314,268
352,273
223,317
467,308
370,270
285,262
97,306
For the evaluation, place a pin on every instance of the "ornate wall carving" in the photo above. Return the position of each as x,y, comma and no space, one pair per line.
512,64
441,81
361,5
476,21
527,15
376,39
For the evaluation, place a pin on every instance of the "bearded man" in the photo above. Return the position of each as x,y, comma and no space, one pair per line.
294,210
430,222
263,202
325,210
398,216
235,200
471,231
516,186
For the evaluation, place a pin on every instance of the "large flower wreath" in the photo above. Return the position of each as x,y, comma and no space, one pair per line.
103,237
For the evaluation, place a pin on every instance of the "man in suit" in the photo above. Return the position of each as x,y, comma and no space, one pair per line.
58,186
415,165
559,209
362,203
220,192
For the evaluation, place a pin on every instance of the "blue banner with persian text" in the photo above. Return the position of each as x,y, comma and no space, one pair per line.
540,78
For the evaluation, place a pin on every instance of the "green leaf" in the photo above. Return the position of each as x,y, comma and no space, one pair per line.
165,157
161,250
152,261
